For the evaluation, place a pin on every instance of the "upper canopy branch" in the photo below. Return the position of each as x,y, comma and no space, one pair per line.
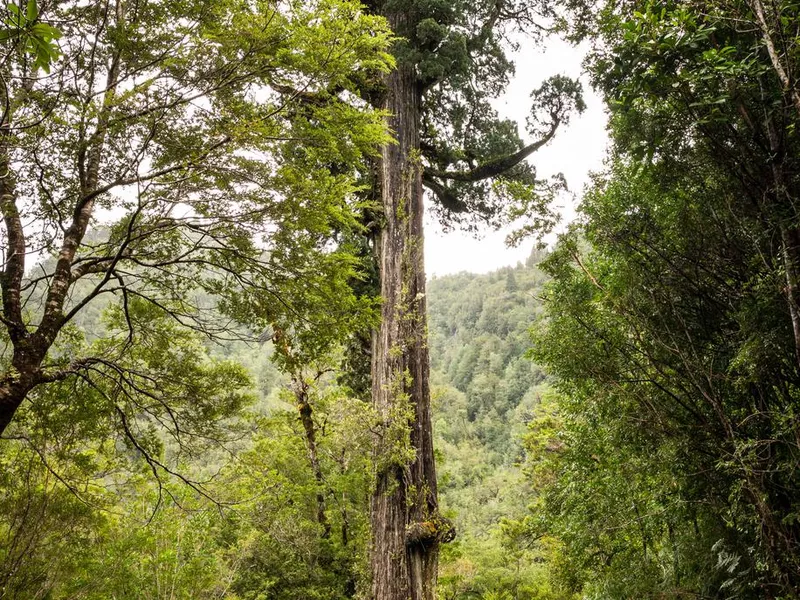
494,167
502,11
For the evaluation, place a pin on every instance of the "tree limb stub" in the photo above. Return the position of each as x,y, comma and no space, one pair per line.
438,529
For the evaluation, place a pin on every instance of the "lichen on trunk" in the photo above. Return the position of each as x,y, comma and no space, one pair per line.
405,493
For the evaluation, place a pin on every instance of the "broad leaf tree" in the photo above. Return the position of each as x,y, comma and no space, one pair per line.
674,331
183,127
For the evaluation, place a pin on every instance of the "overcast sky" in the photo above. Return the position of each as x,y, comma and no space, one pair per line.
576,150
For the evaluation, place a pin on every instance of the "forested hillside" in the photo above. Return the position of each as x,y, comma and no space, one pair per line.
257,528
479,335
486,391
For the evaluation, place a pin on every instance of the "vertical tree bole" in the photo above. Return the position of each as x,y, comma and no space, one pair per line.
407,528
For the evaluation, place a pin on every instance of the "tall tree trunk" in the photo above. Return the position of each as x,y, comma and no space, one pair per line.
406,525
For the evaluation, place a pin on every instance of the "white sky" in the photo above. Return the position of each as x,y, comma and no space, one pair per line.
575,151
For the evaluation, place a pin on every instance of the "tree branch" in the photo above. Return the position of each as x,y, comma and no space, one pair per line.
14,268
446,196
497,166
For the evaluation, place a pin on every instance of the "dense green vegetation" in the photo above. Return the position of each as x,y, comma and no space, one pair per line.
672,318
190,406
254,530
485,391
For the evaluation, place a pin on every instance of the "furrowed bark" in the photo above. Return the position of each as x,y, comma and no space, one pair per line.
405,498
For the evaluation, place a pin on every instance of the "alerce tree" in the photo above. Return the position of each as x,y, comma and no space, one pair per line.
182,121
451,60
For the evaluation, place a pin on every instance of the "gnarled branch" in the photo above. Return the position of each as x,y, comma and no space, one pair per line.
496,166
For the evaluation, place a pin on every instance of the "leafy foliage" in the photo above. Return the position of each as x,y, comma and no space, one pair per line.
221,143
670,321
179,122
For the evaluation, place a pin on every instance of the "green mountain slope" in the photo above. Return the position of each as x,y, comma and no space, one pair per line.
485,391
